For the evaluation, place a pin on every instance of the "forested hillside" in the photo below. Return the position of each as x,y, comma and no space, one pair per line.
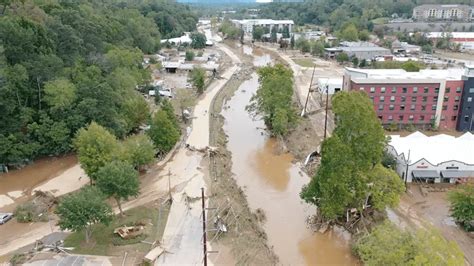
335,13
64,64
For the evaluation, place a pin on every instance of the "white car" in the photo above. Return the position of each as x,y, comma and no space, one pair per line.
5,217
165,92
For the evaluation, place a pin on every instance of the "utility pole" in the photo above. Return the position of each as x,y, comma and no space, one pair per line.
204,227
326,116
169,186
406,171
309,91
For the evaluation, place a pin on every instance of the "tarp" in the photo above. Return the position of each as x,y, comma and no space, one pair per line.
425,174
457,174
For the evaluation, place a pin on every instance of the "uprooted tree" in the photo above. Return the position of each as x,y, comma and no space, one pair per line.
351,175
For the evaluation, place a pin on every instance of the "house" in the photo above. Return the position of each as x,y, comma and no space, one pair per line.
436,159
171,67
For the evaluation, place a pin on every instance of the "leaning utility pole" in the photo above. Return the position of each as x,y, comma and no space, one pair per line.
309,91
406,172
326,116
204,227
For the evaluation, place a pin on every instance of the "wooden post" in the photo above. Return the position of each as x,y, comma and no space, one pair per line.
309,90
326,116
204,227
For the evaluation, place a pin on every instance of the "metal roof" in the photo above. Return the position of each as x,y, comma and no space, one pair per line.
425,173
456,173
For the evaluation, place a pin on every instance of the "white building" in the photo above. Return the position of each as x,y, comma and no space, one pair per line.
436,159
248,24
332,85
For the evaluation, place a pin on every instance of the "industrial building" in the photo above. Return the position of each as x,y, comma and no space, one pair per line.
436,159
247,25
442,13
441,98
361,50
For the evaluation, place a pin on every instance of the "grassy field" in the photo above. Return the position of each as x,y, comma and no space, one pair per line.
380,21
304,62
105,242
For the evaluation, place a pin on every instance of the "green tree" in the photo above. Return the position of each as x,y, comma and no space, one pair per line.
350,33
411,66
138,150
317,48
303,45
355,61
135,111
118,180
462,206
292,42
169,109
342,57
198,40
257,33
198,78
274,99
95,147
427,48
59,93
163,132
80,210
364,35
273,35
351,161
189,56
389,245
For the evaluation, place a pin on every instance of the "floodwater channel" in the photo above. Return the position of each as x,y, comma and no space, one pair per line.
272,182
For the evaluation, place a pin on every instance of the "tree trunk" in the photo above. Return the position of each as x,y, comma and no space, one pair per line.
88,233
119,206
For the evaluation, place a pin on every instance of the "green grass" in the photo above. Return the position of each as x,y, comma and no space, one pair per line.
379,21
103,239
304,62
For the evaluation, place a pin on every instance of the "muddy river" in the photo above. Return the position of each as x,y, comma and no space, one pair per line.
272,183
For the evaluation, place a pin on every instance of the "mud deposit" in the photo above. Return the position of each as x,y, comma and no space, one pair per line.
272,183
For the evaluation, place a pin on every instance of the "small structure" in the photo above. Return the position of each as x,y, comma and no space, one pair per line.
436,159
183,40
405,48
129,232
171,67
333,85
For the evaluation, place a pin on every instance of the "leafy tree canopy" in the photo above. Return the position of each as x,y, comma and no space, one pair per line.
462,206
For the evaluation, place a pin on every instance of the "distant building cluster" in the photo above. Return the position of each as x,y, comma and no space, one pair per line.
443,98
247,25
443,13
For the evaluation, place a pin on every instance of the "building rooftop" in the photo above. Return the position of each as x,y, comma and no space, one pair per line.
363,49
449,74
435,149
440,6
450,34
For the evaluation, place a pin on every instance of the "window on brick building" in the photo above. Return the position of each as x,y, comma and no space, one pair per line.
455,107
436,90
411,118
458,89
391,107
456,99
422,118
372,98
392,98
423,107
400,117
426,90
443,118
403,99
445,107
372,89
380,106
433,107
412,107
435,99
404,90
390,118
448,90
394,89
453,118
446,98
402,107
415,89
413,99
469,99
382,98
361,88
380,117
425,99
382,90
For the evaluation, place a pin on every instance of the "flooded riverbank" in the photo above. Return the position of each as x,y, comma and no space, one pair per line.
272,183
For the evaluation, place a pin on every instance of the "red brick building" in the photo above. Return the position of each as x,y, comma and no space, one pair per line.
405,98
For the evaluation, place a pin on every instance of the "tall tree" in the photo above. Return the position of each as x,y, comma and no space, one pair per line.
198,78
138,150
118,180
163,132
81,210
462,206
95,147
198,40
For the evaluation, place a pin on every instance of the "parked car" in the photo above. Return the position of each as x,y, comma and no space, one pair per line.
5,217
165,92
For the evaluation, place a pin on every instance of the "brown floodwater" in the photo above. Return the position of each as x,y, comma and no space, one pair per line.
32,175
272,183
